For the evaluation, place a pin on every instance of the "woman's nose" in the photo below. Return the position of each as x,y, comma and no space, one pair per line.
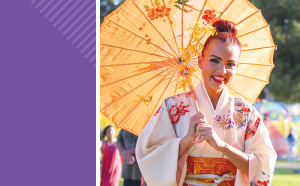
222,68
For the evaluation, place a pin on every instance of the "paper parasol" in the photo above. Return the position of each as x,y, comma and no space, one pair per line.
146,48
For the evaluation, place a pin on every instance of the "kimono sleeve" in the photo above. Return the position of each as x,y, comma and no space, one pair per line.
157,150
258,146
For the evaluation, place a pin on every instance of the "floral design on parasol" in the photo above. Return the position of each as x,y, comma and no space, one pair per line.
149,49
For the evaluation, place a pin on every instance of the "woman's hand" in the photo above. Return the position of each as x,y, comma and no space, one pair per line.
191,136
130,160
204,131
194,121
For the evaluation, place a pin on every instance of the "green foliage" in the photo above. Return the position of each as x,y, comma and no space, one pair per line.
284,18
107,6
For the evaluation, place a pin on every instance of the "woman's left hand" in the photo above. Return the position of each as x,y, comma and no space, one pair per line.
206,132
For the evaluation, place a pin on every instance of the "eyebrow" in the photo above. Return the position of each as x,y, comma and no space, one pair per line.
216,57
221,59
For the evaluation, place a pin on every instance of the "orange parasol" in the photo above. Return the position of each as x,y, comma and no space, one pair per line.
149,50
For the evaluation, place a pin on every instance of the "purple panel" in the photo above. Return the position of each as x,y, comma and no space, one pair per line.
48,94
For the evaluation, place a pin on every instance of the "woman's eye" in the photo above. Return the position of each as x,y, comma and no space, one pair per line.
214,60
231,64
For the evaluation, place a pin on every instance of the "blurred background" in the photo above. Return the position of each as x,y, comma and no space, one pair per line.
279,102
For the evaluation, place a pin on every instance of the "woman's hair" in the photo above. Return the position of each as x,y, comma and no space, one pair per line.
104,131
226,32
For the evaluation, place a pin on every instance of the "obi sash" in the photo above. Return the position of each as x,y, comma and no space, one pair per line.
209,171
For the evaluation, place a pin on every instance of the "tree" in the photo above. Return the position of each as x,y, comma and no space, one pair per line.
107,6
284,16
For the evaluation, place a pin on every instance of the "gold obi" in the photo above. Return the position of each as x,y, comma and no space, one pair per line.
209,171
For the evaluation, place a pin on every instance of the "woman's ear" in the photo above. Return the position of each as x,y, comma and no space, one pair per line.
200,59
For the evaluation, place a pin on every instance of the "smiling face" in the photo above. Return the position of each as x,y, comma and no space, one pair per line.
219,65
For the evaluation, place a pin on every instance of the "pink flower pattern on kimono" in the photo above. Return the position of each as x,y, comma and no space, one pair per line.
252,128
225,122
230,123
159,110
219,120
238,103
176,111
143,181
241,112
262,183
245,109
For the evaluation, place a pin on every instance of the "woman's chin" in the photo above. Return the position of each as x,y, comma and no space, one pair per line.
217,86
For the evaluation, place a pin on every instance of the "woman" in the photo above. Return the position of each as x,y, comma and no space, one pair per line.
225,143
111,162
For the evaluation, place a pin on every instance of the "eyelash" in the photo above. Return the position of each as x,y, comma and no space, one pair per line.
214,60
217,61
231,64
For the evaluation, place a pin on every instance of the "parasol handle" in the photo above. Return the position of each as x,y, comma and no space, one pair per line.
194,97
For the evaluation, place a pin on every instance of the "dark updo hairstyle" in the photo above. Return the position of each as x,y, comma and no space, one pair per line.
104,132
226,32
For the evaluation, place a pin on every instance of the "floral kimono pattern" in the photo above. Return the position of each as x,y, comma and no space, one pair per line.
235,121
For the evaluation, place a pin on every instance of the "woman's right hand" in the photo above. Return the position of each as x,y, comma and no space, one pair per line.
194,120
191,136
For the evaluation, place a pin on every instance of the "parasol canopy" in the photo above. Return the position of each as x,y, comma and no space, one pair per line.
149,51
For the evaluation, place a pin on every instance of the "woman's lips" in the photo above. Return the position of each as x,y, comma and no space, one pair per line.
218,79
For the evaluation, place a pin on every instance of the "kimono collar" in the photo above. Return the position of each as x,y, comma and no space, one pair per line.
205,103
215,117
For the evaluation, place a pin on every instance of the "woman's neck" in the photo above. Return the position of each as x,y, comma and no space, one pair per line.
111,140
214,96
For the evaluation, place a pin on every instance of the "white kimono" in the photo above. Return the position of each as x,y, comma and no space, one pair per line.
235,121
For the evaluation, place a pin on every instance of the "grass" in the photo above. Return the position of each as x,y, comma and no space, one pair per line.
285,161
121,182
285,177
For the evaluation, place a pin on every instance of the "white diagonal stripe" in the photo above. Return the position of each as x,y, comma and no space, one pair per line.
44,8
89,26
71,17
93,31
92,59
89,53
89,44
49,12
66,13
71,26
79,27
39,4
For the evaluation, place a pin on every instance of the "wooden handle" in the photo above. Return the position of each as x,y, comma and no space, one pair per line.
194,98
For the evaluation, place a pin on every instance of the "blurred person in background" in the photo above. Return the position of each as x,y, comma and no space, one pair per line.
112,161
292,141
131,173
267,122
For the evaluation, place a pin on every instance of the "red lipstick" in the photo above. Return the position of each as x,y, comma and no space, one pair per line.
218,80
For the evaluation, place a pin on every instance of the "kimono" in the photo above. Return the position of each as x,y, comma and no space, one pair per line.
235,121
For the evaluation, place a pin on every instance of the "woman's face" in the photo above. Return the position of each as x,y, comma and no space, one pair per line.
110,132
219,65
